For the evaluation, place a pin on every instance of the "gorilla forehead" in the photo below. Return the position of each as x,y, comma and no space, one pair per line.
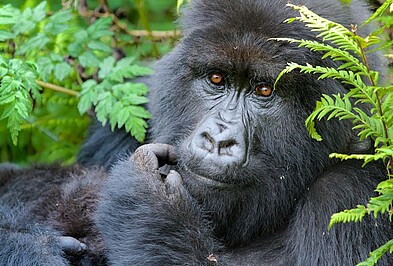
236,38
238,14
235,52
239,32
262,15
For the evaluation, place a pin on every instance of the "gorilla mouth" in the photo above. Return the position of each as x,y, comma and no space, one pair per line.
207,181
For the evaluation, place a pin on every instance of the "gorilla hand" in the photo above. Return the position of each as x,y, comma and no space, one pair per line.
156,207
150,157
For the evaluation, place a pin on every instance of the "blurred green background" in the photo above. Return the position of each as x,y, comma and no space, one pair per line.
142,29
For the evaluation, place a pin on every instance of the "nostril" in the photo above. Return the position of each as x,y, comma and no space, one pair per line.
224,147
227,143
208,142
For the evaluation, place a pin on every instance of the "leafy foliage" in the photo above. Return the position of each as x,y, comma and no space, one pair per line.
60,62
16,87
350,50
116,99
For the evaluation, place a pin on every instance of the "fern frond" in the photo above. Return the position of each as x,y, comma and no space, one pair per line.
379,11
329,30
360,90
353,215
350,62
381,204
365,157
377,254
338,107
369,126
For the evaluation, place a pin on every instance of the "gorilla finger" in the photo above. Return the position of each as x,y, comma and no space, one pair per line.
165,153
145,159
71,245
173,183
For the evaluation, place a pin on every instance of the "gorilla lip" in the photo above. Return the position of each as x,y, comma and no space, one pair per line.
202,179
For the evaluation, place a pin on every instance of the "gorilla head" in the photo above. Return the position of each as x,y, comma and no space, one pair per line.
243,149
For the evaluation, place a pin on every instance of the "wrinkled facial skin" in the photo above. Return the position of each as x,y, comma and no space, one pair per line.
221,140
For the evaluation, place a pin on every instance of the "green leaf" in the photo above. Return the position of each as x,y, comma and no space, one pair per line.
133,99
39,12
139,111
89,59
85,103
8,85
7,98
62,70
97,45
137,88
3,71
25,22
379,11
106,67
88,85
75,49
9,15
140,70
6,35
377,254
34,43
46,66
137,127
353,215
100,28
56,57
58,22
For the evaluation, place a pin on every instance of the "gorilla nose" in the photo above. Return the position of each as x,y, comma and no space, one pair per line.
223,147
219,143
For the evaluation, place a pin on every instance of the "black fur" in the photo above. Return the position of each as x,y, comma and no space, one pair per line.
41,205
247,185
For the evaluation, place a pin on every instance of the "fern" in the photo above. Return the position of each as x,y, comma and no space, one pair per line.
353,215
349,51
377,254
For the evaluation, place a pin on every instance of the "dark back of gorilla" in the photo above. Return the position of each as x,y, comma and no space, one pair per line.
247,184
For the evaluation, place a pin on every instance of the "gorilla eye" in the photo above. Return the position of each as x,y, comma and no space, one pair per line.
216,79
263,90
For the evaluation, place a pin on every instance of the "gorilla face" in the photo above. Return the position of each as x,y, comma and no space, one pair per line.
226,116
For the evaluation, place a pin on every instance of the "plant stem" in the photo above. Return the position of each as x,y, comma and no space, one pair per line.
56,88
365,61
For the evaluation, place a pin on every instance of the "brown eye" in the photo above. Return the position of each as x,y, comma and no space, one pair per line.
216,79
263,90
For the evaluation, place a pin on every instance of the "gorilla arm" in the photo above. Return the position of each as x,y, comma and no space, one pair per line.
342,187
156,221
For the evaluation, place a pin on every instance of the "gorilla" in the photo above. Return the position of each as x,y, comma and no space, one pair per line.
229,174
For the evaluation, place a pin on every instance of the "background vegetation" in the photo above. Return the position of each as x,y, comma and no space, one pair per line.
58,58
